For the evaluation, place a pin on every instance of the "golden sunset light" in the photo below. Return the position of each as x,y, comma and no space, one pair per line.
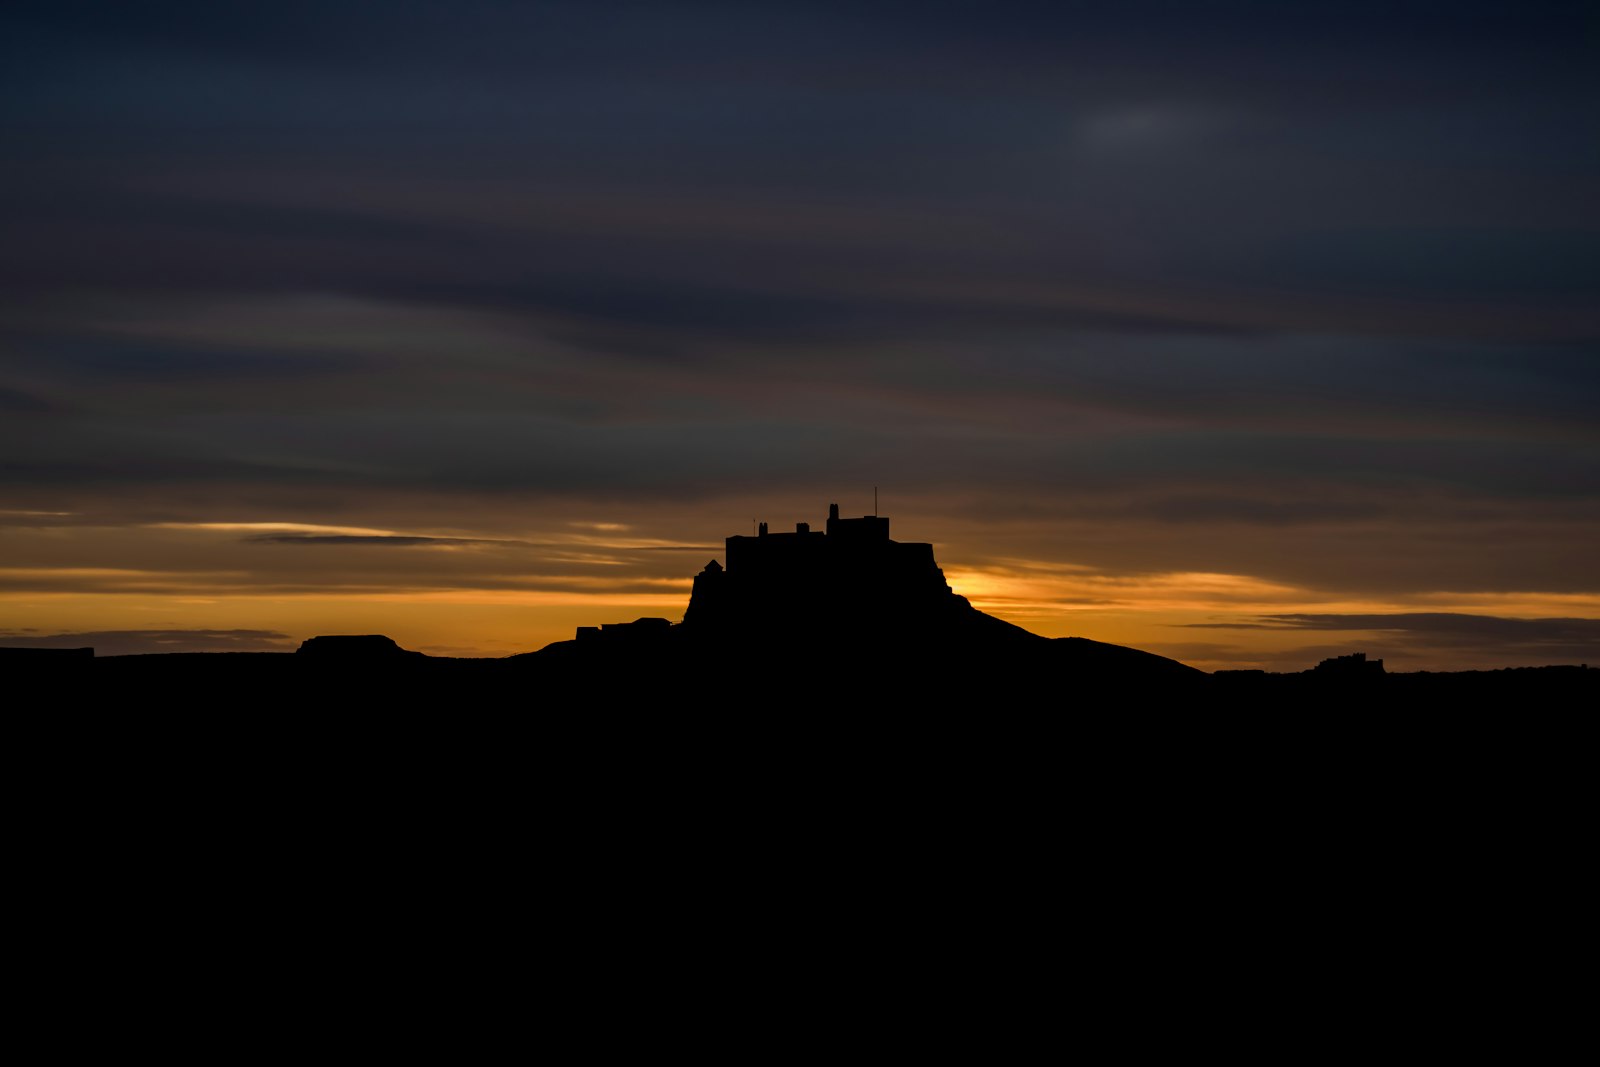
1250,337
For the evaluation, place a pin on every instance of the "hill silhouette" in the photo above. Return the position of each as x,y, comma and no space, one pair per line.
849,604
842,618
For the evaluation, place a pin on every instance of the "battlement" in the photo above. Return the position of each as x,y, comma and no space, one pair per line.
799,574
842,542
766,548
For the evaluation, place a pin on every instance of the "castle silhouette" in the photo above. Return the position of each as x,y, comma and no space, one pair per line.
847,575
847,580
846,601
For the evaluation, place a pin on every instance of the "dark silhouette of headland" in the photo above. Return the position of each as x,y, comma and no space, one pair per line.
844,617
850,605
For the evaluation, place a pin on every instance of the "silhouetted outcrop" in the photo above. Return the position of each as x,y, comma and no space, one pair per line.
353,648
842,606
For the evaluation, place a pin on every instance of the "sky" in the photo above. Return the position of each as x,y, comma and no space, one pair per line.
1244,333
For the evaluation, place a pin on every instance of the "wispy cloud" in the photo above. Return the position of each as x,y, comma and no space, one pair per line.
1433,624
1046,587
140,642
1489,638
286,527
392,540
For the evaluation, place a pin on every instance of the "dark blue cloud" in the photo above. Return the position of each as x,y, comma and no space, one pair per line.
1533,641
1221,265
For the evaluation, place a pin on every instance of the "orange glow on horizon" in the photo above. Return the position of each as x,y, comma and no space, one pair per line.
510,595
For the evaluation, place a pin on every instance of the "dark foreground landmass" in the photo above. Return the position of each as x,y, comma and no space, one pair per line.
831,750
629,809
649,666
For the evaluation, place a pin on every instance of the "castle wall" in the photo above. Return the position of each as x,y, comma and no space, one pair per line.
843,578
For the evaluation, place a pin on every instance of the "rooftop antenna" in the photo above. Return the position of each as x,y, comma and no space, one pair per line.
874,500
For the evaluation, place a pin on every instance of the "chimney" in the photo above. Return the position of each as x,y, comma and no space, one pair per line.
802,527
833,511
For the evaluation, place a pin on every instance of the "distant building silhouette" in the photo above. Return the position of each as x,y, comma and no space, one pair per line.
639,629
1355,665
846,576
